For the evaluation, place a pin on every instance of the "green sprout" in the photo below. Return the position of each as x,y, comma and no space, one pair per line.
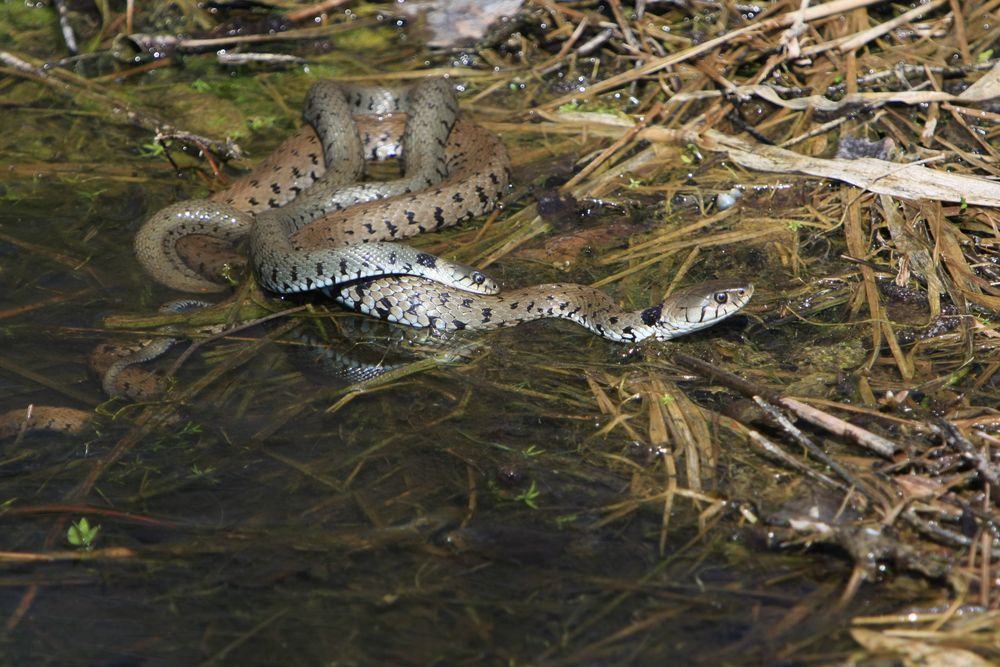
198,471
231,274
152,149
82,535
691,154
529,496
190,428
256,123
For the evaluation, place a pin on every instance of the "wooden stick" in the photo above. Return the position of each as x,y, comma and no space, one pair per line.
824,420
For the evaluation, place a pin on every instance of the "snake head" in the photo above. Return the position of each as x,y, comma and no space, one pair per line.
700,306
482,283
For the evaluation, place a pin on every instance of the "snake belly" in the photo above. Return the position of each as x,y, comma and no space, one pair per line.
296,179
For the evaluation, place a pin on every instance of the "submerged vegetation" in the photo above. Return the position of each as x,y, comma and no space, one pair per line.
813,483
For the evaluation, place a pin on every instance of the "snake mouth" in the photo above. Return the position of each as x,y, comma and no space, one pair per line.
735,297
732,301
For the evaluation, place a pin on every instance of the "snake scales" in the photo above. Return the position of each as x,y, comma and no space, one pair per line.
267,205
307,216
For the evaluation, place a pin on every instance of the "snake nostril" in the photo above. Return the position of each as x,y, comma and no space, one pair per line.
721,298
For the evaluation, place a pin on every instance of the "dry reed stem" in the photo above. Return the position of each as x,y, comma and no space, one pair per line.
813,13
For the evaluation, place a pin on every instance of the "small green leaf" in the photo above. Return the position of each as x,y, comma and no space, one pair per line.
533,450
190,428
256,123
152,149
198,471
82,535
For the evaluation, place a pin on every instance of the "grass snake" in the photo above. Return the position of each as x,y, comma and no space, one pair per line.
278,199
313,225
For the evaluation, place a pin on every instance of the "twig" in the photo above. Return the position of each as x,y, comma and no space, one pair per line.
616,11
62,556
63,388
44,303
66,28
93,510
937,531
787,19
956,439
958,25
806,443
773,450
591,44
236,59
903,71
169,43
194,347
556,61
862,38
314,10
867,439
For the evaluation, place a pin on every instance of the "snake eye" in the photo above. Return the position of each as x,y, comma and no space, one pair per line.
478,278
721,297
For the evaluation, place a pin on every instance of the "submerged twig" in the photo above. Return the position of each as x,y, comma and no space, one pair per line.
987,470
835,425
806,442
65,28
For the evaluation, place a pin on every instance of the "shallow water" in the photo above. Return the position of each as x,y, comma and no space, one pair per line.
482,511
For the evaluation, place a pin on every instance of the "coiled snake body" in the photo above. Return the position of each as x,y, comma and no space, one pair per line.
285,263
313,226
